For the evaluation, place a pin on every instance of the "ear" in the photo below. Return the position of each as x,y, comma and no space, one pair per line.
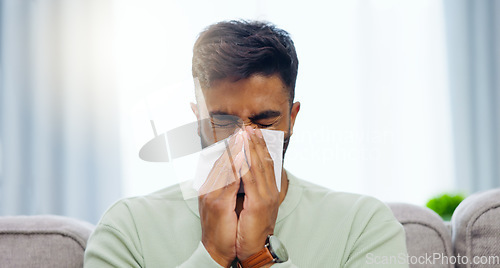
194,108
293,115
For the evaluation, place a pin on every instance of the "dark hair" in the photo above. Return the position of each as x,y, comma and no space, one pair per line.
240,49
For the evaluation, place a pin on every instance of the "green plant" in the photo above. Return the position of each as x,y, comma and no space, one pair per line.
445,204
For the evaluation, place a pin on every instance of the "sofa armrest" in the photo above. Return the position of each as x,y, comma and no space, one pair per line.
42,241
428,240
476,229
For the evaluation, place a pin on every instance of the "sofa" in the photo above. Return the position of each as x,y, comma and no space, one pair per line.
42,241
471,239
473,235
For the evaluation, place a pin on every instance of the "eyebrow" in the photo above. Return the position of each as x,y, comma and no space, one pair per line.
265,115
218,113
262,115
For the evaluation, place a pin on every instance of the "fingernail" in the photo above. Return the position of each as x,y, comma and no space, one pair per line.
238,160
245,134
239,138
250,129
259,133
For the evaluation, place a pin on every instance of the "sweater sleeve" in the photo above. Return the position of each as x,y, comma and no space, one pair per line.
287,264
115,243
108,247
200,258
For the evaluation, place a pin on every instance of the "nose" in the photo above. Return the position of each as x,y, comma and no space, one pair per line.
249,123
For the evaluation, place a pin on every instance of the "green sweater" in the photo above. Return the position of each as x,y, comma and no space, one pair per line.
319,228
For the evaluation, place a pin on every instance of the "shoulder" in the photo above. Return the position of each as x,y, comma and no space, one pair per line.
128,210
358,219
358,225
360,208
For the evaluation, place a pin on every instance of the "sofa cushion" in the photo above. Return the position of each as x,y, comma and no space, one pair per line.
476,230
42,241
428,240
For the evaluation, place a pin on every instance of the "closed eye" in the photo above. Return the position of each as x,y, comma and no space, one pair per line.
264,125
267,123
224,124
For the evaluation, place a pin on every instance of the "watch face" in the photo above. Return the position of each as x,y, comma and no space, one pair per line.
277,249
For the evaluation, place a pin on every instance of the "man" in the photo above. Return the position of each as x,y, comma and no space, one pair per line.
246,73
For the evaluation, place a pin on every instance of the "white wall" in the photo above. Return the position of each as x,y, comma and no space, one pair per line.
375,113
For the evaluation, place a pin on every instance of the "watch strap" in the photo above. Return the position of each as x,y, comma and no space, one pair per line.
258,259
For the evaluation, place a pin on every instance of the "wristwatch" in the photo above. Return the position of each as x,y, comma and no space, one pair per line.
273,251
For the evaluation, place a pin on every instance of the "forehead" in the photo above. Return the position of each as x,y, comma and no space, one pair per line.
246,97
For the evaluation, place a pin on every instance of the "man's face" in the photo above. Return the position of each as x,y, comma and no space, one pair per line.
259,101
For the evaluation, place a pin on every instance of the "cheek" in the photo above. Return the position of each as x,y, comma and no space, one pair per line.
283,125
207,134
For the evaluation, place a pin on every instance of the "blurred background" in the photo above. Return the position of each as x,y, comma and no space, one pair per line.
399,99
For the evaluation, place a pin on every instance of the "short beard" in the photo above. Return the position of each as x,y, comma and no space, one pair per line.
286,141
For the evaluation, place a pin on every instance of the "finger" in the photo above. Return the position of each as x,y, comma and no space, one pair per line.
246,149
246,177
269,160
218,175
245,167
214,178
236,158
261,146
223,172
236,150
221,181
254,181
266,162
234,145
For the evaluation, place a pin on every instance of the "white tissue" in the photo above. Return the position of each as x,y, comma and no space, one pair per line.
208,156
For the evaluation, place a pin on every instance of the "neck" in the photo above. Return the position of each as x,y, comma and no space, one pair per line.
284,188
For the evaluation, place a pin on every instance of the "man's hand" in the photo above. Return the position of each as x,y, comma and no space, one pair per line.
260,208
217,202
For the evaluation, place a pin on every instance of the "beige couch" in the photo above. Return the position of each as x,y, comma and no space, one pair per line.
471,239
474,232
42,241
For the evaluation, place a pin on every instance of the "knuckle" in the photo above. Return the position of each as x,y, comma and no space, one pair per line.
260,166
270,162
263,142
273,198
250,180
260,203
216,205
251,145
